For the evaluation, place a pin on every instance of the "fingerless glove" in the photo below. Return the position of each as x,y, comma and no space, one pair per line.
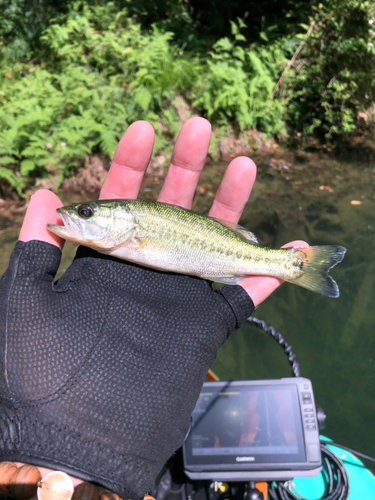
99,372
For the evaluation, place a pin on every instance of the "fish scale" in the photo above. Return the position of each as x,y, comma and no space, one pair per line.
170,238
206,248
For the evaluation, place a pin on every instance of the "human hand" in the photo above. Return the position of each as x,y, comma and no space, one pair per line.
103,369
125,177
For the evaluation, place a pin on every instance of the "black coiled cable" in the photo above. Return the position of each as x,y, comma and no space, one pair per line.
335,477
334,472
280,339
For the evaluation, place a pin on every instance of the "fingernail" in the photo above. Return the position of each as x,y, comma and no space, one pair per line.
55,486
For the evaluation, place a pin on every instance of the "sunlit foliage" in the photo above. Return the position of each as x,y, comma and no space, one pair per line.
74,75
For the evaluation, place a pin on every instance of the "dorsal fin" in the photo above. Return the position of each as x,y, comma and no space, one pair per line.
240,231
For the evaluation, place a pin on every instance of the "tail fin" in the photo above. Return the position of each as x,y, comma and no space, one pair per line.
318,261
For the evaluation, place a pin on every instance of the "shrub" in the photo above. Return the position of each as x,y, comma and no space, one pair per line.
332,79
100,74
238,84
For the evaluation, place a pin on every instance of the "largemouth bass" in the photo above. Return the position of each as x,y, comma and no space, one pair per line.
170,238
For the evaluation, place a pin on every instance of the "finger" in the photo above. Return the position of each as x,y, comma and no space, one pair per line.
188,158
260,287
234,190
129,163
40,212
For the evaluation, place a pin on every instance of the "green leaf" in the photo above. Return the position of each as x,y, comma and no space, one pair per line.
224,44
6,160
240,37
143,97
27,166
108,142
13,180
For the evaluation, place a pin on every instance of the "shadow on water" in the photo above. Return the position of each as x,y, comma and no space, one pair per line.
334,339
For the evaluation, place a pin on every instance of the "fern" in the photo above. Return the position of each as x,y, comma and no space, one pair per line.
13,180
238,84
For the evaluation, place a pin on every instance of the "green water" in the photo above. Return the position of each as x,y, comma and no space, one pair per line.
334,339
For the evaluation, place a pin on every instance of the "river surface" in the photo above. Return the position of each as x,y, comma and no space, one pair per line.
306,197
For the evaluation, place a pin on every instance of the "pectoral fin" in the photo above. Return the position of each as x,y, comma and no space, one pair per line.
132,243
109,247
136,243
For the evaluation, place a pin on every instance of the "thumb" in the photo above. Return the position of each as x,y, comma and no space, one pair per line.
40,212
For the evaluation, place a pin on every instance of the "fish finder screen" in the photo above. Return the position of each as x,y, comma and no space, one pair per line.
247,424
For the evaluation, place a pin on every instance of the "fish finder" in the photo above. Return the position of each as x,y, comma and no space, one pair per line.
253,430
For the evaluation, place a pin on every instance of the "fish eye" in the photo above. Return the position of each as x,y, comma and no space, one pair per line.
85,211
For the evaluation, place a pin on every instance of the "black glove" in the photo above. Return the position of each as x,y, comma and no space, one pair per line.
99,373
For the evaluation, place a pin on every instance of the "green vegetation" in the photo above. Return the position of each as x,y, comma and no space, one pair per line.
335,78
74,75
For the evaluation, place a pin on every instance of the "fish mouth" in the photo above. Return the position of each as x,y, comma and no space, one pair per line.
70,230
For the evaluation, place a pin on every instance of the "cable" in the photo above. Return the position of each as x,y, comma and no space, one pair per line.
282,342
334,473
362,455
335,476
296,370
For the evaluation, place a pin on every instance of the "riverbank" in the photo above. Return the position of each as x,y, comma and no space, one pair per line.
92,69
287,177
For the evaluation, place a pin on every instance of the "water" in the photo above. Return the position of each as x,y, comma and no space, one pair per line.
334,339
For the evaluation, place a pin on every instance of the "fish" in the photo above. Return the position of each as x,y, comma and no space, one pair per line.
170,238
